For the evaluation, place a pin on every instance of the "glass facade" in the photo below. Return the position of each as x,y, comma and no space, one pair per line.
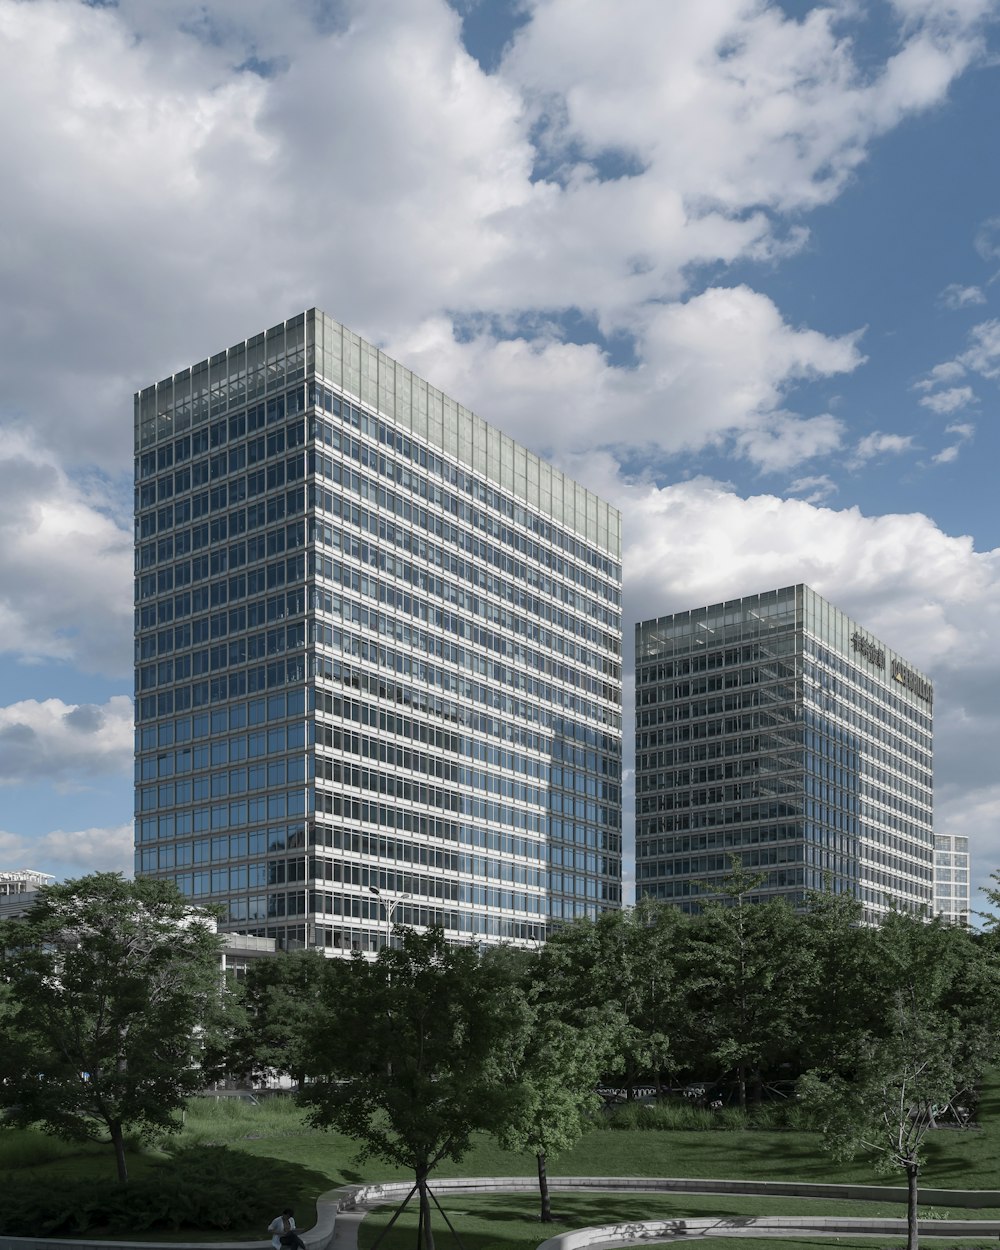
775,729
952,866
378,654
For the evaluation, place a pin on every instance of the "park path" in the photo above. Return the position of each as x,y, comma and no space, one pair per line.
356,1201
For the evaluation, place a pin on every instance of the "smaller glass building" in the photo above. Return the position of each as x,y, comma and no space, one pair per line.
775,729
951,877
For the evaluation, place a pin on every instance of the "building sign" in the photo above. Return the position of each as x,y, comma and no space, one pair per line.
920,686
874,654
868,649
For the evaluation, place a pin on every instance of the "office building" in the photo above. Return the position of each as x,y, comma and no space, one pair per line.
19,889
951,877
378,654
775,729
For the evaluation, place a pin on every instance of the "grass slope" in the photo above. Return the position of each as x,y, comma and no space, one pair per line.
275,1132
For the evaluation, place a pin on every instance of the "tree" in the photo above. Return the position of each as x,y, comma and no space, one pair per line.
626,960
925,1026
897,1087
415,1051
111,985
275,1002
555,1089
747,975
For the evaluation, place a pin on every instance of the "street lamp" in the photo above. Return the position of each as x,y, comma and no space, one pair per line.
389,908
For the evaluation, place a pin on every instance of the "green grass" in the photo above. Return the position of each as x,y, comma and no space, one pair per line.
511,1222
275,1131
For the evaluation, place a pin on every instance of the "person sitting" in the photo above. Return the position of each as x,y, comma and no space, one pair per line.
283,1234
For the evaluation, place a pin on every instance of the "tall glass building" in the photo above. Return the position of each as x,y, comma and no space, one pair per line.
777,730
377,654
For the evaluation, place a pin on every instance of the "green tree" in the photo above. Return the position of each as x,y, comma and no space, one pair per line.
897,1087
925,1025
274,1004
413,1052
554,1088
111,986
626,960
748,972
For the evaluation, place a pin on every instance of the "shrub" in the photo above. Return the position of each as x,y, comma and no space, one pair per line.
200,1188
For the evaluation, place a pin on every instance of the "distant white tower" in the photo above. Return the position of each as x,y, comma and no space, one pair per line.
951,877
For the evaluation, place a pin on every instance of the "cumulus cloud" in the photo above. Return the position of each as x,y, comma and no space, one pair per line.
983,353
714,370
71,853
879,444
65,566
956,296
962,431
947,371
816,489
63,743
366,143
951,400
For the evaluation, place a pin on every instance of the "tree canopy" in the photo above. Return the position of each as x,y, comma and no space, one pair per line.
412,1052
111,985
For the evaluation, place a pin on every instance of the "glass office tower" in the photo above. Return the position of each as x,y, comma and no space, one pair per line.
378,654
775,729
952,867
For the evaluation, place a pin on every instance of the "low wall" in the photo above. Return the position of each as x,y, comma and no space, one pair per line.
395,1191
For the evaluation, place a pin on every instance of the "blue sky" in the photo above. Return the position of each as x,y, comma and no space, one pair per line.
731,263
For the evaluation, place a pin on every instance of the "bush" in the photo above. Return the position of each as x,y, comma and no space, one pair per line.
685,1116
202,1188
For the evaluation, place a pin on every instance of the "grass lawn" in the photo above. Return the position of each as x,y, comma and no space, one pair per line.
275,1138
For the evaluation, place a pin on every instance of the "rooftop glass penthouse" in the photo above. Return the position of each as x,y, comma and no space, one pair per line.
378,654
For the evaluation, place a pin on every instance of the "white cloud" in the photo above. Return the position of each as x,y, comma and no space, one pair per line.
947,371
951,400
983,354
163,201
73,853
64,744
987,240
956,296
65,566
963,431
815,489
712,371
879,444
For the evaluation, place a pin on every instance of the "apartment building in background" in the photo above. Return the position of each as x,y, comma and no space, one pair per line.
776,730
377,654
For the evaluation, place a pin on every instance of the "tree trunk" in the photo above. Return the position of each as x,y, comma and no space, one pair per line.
425,1237
118,1142
543,1188
741,1083
912,1172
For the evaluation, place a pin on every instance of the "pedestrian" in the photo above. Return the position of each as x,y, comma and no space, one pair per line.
283,1234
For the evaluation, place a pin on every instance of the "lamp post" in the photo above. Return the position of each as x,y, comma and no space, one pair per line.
389,908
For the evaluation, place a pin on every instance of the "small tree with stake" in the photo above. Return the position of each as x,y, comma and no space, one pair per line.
898,1087
109,986
412,1052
